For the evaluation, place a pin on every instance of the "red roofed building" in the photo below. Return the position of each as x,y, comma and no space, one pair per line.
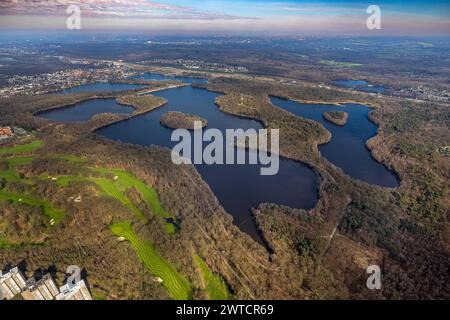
5,132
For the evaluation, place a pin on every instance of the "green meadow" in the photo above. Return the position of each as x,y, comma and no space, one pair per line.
9,175
109,188
22,148
19,161
215,286
126,181
338,64
47,208
176,285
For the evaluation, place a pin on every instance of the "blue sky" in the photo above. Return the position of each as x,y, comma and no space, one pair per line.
265,8
346,17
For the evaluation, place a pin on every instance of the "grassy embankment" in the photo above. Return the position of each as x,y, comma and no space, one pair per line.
214,284
176,285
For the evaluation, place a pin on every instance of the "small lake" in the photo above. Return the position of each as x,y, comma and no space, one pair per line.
85,110
347,148
160,77
361,85
115,87
102,87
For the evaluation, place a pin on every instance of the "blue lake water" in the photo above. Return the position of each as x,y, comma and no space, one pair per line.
241,187
347,148
110,86
102,87
160,77
84,111
238,187
361,85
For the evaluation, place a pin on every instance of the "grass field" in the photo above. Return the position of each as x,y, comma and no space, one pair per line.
9,175
48,209
69,158
340,64
109,188
117,188
64,181
177,286
127,181
22,148
19,161
111,183
215,286
5,244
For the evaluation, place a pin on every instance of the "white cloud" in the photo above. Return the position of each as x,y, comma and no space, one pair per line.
105,8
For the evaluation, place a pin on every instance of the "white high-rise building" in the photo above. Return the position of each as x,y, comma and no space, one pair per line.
14,283
44,289
11,283
79,291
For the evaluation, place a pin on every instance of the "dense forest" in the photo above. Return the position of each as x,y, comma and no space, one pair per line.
318,253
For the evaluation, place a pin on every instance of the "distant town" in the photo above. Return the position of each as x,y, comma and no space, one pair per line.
426,93
87,175
85,71
199,65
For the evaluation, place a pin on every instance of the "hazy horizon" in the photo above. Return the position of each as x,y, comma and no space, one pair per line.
249,17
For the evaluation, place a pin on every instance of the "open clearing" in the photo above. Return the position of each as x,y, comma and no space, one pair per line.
126,181
215,286
116,183
22,148
176,285
110,189
48,209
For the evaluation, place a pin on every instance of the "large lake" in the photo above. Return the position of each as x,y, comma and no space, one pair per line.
238,187
85,110
111,86
241,187
347,148
160,77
